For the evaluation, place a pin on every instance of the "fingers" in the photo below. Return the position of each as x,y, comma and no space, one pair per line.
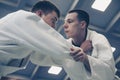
87,46
78,54
78,57
74,51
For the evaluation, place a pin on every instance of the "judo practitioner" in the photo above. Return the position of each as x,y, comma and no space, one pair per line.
94,49
23,34
20,30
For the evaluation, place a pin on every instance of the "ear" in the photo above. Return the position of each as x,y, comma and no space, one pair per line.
39,13
83,24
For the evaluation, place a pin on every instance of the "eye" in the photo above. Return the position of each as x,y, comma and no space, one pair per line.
53,20
69,21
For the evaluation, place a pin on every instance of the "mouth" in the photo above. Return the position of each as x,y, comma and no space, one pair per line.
66,31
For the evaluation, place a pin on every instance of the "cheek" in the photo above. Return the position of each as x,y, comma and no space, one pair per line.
71,32
47,19
49,22
74,32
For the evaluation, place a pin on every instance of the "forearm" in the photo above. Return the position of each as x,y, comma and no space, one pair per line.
86,61
87,65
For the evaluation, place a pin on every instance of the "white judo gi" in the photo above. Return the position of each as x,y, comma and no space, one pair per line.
101,58
24,33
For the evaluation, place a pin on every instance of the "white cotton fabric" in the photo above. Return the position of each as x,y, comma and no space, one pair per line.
24,33
100,59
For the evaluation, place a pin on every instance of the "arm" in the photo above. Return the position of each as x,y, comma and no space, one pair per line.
21,33
26,29
100,63
27,33
80,54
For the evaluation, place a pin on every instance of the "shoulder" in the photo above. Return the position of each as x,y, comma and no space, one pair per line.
95,35
23,13
97,38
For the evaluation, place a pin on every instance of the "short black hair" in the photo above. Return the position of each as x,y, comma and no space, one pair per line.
46,7
82,15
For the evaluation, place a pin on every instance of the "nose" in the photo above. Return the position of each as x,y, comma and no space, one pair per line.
65,25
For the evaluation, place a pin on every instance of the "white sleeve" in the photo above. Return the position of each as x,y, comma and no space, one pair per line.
26,29
101,62
22,32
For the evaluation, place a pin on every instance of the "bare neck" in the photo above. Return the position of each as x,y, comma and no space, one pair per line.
78,40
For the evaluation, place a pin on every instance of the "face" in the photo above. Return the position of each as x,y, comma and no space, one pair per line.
72,25
50,18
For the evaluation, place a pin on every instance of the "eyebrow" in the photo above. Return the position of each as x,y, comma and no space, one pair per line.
67,19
